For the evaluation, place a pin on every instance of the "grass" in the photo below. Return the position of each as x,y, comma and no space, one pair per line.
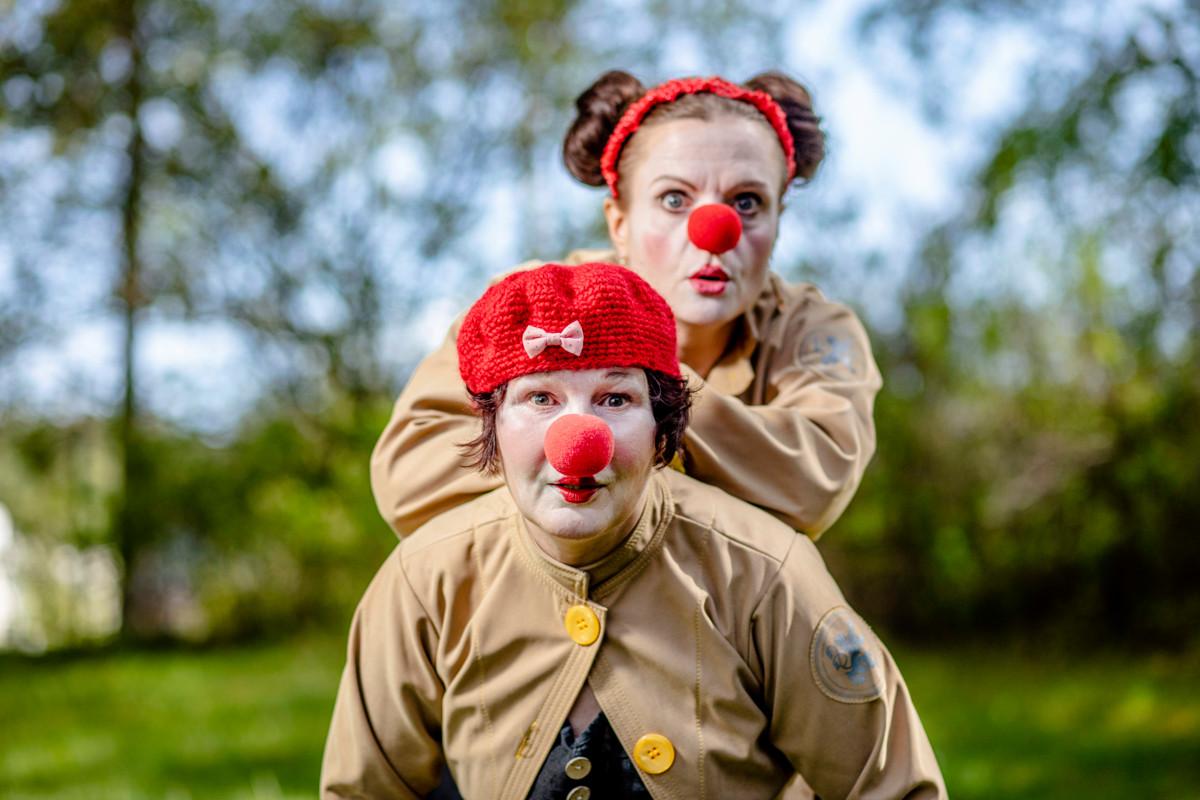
240,723
250,723
1090,727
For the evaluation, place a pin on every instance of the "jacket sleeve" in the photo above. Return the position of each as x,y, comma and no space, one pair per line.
801,455
385,737
840,710
417,471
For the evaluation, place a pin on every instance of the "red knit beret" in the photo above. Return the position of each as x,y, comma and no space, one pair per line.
535,320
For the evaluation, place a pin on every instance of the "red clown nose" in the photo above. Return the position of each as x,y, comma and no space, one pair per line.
715,228
579,445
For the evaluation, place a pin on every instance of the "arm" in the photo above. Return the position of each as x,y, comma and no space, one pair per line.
385,739
802,453
840,711
416,470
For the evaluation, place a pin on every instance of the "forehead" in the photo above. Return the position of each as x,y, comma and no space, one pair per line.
725,146
578,379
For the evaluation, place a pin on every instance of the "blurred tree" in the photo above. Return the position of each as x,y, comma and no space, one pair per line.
308,175
127,94
1039,445
299,173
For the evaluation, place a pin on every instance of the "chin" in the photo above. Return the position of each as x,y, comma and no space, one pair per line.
574,523
704,311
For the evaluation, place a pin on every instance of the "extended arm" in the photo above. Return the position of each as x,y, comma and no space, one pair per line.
417,471
802,453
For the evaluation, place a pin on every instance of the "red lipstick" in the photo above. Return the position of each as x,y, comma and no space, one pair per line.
577,490
710,280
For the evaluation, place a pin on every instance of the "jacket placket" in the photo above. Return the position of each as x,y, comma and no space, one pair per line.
540,736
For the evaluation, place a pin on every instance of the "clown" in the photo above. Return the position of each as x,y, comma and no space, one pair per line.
598,624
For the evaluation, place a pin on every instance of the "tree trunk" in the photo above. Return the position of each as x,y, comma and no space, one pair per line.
128,522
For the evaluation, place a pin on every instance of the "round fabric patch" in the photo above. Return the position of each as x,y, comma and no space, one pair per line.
829,350
845,658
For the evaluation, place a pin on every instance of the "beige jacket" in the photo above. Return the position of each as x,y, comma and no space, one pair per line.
783,421
716,628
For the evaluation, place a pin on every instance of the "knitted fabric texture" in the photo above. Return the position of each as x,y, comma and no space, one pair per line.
625,324
669,92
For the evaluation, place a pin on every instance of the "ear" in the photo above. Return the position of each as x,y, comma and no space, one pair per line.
783,206
618,226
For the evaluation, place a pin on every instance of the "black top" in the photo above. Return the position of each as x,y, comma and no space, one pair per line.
612,773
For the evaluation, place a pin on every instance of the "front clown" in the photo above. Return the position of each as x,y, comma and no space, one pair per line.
562,362
600,626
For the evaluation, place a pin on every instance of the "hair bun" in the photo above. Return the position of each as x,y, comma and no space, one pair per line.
805,125
598,110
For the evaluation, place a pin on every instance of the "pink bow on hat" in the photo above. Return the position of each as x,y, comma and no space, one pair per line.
536,340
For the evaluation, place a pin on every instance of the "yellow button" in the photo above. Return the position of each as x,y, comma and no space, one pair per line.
579,793
654,753
582,625
578,768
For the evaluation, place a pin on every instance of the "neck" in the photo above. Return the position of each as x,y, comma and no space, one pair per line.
701,346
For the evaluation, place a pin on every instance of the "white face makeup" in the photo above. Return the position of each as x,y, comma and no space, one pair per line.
683,164
567,529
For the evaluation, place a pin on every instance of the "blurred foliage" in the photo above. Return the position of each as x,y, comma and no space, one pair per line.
300,173
1039,459
275,528
140,142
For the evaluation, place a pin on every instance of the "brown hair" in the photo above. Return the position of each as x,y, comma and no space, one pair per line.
601,105
670,402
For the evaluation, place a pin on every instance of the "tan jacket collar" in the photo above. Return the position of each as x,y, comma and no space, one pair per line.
619,566
734,373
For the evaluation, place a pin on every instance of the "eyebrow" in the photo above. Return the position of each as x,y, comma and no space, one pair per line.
675,178
618,373
751,184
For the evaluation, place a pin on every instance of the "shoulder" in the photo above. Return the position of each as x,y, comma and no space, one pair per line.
733,524
799,305
807,329
451,547
588,256
747,539
486,509
746,555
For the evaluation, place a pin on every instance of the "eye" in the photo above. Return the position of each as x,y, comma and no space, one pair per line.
673,200
747,203
615,400
541,398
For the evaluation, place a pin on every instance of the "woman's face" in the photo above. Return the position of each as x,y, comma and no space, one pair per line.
678,166
566,524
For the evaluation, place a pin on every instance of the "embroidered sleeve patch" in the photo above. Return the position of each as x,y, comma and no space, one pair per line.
847,665
830,350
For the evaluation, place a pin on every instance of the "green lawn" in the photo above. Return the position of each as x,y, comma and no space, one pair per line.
1089,727
250,723
241,723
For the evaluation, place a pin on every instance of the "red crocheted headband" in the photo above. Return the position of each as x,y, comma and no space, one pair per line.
669,92
555,317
